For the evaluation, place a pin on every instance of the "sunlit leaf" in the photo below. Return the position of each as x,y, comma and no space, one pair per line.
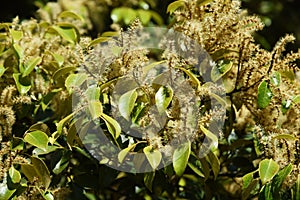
264,95
163,98
37,138
112,125
180,158
62,123
69,34
153,156
70,14
23,85
74,80
126,103
144,16
267,170
30,64
220,70
16,35
2,70
123,153
95,108
14,175
175,5
5,193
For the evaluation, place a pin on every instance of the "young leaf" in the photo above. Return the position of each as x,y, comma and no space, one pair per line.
209,134
112,125
163,98
214,163
41,170
37,138
122,154
95,108
175,5
180,158
280,177
126,103
267,170
144,16
74,80
67,33
61,123
70,14
153,156
16,35
14,175
264,95
30,64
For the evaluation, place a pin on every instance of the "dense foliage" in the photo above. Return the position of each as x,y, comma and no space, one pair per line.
63,76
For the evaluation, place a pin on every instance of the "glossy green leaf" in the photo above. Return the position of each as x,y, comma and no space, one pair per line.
129,15
180,158
47,150
275,78
59,59
267,170
175,5
2,70
266,193
37,138
249,189
163,98
22,85
113,126
126,103
62,123
48,196
58,74
69,34
30,64
153,156
192,76
62,163
95,108
247,179
75,80
144,16
220,70
124,14
14,174
5,193
17,144
41,170
123,153
98,40
148,180
196,165
264,95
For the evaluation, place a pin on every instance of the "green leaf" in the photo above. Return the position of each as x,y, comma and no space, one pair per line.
113,126
67,33
126,103
41,170
218,71
62,163
144,16
2,70
247,179
175,5
196,165
163,98
74,80
22,85
59,59
61,123
209,134
30,64
95,108
49,149
296,99
266,193
251,187
157,18
264,95
284,136
192,77
16,35
296,189
124,14
148,180
48,196
280,177
58,74
37,138
14,175
180,158
267,170
214,163
98,40
153,156
70,14
275,78
5,193
29,171
122,154
17,144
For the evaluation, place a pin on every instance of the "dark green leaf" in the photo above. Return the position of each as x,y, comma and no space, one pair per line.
5,193
2,70
280,177
148,180
41,170
180,158
214,163
22,86
29,171
264,95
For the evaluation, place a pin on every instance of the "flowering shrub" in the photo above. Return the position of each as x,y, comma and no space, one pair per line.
206,114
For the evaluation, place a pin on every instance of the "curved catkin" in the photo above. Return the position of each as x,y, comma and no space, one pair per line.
7,120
